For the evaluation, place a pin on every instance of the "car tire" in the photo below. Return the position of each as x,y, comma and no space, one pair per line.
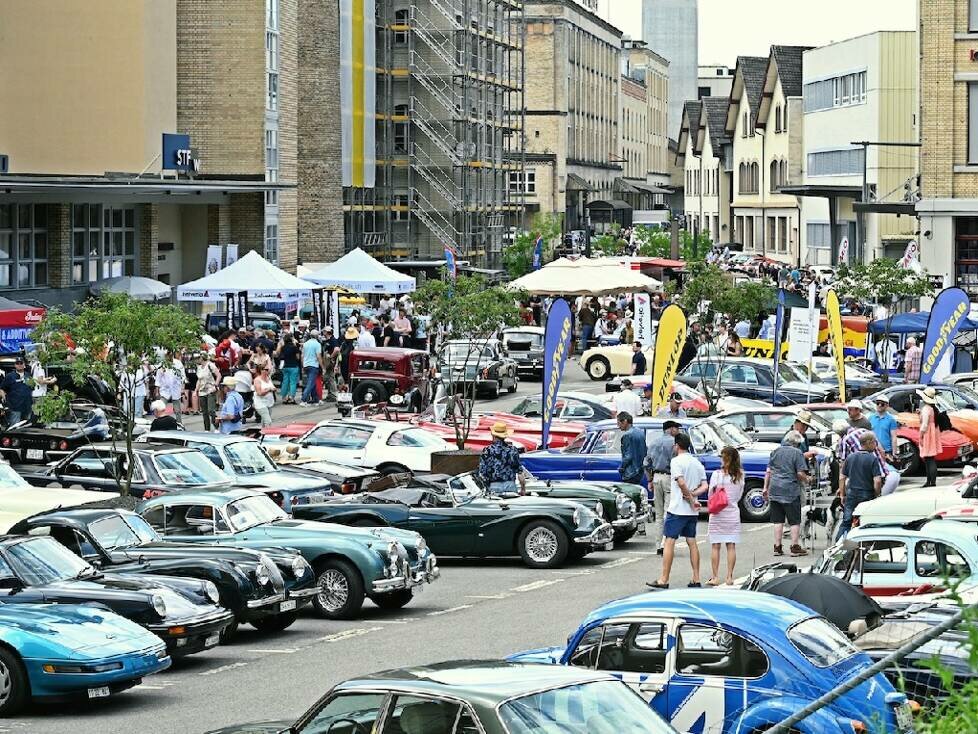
394,600
493,392
275,622
598,369
228,633
543,544
14,685
753,505
340,594
369,391
512,388
912,465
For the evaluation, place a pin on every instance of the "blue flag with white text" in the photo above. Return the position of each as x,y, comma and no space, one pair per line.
556,348
538,253
950,308
451,263
778,339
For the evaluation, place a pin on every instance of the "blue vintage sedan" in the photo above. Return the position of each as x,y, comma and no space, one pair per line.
730,661
595,455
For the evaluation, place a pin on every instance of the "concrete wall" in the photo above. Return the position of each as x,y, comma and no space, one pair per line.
671,28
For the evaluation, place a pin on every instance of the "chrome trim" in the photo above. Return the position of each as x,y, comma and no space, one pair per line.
256,603
302,593
627,523
601,535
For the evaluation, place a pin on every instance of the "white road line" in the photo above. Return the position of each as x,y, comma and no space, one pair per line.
642,553
273,651
393,621
459,608
504,595
585,572
223,669
534,585
347,634
619,562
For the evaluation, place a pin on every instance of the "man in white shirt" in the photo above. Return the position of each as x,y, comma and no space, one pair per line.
40,377
170,386
626,401
366,339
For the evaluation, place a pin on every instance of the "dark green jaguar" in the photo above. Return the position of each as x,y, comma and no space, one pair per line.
625,506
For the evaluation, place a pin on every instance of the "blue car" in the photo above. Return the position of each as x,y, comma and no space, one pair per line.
595,455
52,652
715,661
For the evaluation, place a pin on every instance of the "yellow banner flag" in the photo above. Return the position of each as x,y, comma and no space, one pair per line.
669,342
834,316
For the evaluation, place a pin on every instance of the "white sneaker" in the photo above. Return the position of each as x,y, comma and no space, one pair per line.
303,404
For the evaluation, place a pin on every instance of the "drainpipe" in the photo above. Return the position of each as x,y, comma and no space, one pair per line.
762,186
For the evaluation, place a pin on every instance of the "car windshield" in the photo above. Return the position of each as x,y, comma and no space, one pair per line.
729,434
247,458
187,469
522,341
9,479
461,352
829,415
580,709
792,373
822,643
117,531
251,511
575,446
415,438
45,561
968,393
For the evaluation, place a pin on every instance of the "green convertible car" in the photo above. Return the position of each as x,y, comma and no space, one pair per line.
384,564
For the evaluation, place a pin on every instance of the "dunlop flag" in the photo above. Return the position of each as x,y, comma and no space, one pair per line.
950,308
669,343
834,316
556,348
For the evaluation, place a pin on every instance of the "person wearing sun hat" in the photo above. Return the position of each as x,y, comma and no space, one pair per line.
930,433
231,415
499,465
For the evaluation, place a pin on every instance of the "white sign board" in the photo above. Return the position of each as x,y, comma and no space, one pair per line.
643,320
802,336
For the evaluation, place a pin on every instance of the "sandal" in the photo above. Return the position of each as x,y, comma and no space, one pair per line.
656,585
713,582
694,585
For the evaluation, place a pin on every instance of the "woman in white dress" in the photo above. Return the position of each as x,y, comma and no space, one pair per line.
724,527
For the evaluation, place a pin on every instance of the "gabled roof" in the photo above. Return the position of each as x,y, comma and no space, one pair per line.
714,119
784,64
750,74
691,124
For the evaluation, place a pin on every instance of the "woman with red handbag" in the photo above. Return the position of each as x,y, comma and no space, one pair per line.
723,504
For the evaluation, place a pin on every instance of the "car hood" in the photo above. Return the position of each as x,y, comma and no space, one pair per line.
907,504
527,503
166,550
297,530
803,387
123,589
545,655
284,480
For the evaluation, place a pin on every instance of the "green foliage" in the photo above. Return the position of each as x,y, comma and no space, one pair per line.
653,242
608,245
54,406
518,256
747,301
710,291
881,281
694,248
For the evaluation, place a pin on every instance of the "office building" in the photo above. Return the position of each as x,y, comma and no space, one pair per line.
671,29
714,81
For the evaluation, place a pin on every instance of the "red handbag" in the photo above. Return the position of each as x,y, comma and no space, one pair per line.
718,501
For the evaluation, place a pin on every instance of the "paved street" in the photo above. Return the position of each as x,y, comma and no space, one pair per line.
478,609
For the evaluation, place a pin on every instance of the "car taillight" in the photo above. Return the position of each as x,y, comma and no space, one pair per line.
348,488
5,442
63,445
278,499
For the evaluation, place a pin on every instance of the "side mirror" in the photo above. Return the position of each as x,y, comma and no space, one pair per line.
11,583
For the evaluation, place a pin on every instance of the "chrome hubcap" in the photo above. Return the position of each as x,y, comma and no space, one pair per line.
755,502
541,545
334,590
597,368
5,683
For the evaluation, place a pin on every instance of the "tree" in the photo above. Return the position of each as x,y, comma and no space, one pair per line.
470,310
107,338
518,256
653,242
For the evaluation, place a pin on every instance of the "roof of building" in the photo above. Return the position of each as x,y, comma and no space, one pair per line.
789,61
715,119
690,123
754,71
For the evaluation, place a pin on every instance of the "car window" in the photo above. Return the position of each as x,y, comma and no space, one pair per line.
576,409
352,713
740,373
705,650
957,401
247,458
414,438
934,559
416,715
206,519
741,420
5,571
575,446
376,365
113,532
527,406
91,463
901,402
585,655
823,644
701,369
884,556
774,421
187,469
208,450
73,541
339,437
607,442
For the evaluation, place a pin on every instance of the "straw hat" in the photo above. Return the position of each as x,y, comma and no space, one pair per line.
804,417
351,333
501,430
928,395
229,382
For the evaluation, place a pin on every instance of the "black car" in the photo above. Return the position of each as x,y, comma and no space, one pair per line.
264,589
746,377
216,324
770,424
481,364
904,398
524,345
184,613
343,479
571,406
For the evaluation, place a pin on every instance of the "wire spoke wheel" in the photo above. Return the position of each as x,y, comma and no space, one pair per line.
6,684
334,590
541,544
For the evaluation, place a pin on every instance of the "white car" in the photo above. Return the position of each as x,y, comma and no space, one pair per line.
603,363
18,499
907,505
387,446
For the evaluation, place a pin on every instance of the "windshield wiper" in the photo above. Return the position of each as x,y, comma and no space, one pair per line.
84,573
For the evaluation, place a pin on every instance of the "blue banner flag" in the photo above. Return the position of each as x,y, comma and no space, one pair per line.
538,253
778,339
950,308
556,348
451,263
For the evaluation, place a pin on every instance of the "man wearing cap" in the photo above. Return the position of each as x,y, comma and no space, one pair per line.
657,466
499,464
231,415
884,426
312,362
17,394
802,422
856,417
626,401
675,408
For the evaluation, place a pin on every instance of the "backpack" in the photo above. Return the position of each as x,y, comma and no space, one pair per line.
942,420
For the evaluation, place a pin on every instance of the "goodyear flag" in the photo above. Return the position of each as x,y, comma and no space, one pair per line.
556,348
834,317
778,339
950,308
538,253
669,342
451,263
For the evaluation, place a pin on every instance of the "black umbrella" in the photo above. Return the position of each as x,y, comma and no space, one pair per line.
838,601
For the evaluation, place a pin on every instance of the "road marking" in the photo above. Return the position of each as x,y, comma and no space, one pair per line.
619,562
534,585
393,621
273,651
642,553
504,595
459,608
223,668
586,572
347,634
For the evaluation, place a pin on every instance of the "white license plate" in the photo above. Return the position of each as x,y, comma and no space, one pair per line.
608,546
212,641
287,606
38,454
904,717
100,692
344,397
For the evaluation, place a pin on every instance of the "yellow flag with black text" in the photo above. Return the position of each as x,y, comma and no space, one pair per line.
834,316
669,342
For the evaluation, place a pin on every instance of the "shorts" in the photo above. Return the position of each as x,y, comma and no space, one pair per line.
679,526
786,511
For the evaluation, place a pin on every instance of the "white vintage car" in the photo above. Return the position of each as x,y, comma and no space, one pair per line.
18,499
387,446
907,505
603,363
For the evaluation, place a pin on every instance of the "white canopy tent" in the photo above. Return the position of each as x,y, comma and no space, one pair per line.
263,282
359,272
584,277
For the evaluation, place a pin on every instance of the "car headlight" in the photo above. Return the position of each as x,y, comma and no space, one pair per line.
394,559
299,567
422,547
599,509
210,589
159,606
583,517
261,573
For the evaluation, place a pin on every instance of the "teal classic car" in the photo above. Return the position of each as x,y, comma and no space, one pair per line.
351,564
624,505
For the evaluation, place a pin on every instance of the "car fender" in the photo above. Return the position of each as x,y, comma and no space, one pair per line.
518,520
367,560
769,711
233,582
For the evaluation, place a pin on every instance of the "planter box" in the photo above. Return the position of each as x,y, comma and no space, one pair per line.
456,462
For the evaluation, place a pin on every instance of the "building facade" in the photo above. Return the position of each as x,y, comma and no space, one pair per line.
671,29
714,81
706,154
644,67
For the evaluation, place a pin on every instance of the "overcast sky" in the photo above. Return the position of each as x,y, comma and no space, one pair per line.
732,28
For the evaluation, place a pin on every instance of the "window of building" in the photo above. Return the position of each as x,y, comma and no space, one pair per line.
401,18
836,162
272,101
23,245
272,7
271,148
271,51
743,133
774,174
819,236
965,254
271,196
840,91
103,242
973,122
271,243
973,15
777,119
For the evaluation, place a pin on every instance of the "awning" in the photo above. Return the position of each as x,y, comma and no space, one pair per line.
912,323
621,186
17,321
585,277
652,189
264,283
613,205
576,183
886,207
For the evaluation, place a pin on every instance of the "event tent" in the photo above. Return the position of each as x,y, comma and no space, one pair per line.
17,320
138,288
359,272
912,323
263,282
584,277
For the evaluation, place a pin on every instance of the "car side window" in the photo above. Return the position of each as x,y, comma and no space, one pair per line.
957,401
885,556
704,650
934,559
585,655
744,374
5,571
206,519
416,715
351,713
774,421
74,541
403,438
901,402
331,436
577,409
607,442
90,463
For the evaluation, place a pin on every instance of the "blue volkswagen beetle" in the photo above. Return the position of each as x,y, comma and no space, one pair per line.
714,661
596,455
57,651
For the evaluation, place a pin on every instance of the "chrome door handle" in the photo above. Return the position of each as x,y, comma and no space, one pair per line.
651,687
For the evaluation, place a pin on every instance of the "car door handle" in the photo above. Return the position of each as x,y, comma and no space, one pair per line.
651,687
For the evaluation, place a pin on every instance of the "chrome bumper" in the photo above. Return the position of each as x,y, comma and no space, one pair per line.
266,601
625,523
303,593
424,575
602,535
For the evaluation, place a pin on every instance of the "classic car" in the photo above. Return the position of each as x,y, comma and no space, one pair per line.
625,506
184,613
262,588
524,345
158,469
473,697
343,479
952,399
482,364
247,464
378,373
385,446
859,379
603,363
385,564
543,532
596,455
18,499
916,503
56,652
580,407
730,661
754,378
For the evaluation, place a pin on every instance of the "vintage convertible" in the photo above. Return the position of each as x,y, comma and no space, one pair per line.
184,613
350,564
262,588
543,532
18,499
54,652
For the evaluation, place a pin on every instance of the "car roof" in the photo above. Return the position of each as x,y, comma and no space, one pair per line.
530,329
934,529
77,517
149,447
644,422
386,352
745,360
485,683
793,410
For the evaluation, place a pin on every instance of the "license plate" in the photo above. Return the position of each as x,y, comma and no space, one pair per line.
608,546
212,640
37,454
344,397
904,717
287,606
100,692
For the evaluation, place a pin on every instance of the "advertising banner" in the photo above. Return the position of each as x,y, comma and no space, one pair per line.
950,308
669,342
834,316
451,263
538,253
801,336
230,255
214,258
778,342
643,319
844,251
556,348
358,92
